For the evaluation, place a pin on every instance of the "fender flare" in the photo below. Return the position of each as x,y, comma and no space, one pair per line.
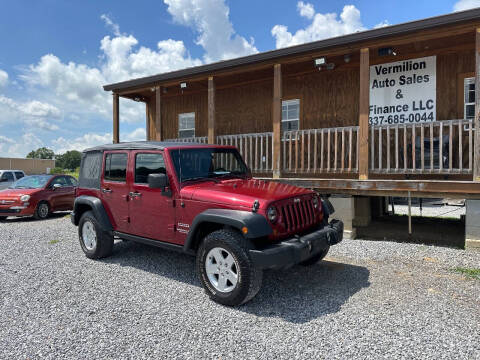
98,210
256,224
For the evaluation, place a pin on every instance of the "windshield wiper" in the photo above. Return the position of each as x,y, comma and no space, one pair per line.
201,178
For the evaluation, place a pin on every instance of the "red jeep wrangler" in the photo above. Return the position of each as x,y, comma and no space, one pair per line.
201,200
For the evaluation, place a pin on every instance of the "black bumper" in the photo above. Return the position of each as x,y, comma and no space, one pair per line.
298,249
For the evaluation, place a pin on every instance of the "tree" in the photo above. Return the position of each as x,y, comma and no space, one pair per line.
41,153
70,160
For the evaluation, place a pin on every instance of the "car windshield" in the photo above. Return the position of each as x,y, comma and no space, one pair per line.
31,182
208,163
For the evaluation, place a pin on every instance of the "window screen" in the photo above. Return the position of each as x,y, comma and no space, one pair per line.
90,169
186,125
290,114
116,167
469,102
146,164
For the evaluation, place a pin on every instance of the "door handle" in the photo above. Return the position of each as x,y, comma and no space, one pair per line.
106,191
135,194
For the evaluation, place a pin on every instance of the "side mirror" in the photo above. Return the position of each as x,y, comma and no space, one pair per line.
56,186
157,181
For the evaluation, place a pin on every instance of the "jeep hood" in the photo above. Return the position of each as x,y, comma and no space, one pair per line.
242,192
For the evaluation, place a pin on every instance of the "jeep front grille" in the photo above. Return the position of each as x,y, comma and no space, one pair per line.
297,214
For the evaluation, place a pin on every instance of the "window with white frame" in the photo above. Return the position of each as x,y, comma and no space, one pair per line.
469,98
186,125
290,114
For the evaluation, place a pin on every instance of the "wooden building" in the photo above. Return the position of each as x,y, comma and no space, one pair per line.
327,115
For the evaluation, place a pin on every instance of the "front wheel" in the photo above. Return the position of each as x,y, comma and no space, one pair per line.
225,269
42,211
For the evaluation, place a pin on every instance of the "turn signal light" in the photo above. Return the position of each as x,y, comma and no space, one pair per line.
244,230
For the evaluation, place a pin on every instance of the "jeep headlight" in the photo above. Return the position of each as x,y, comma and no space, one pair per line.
24,198
272,214
316,202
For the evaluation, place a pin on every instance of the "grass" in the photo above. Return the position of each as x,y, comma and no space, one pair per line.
52,242
471,273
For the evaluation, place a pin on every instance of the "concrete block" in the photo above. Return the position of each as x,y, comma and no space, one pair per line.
472,224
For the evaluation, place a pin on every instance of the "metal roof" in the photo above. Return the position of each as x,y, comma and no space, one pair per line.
400,29
146,145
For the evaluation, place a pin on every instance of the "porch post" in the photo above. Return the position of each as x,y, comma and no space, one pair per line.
147,120
277,119
476,151
158,115
211,110
116,119
364,104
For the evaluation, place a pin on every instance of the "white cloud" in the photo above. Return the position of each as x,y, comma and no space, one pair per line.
22,146
61,144
210,19
3,78
382,24
30,109
110,24
466,4
322,26
306,9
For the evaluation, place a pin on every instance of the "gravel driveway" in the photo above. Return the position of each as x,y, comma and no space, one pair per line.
368,300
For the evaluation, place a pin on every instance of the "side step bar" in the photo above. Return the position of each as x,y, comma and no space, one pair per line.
151,242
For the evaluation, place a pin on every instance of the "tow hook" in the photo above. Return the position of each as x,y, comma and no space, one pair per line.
303,241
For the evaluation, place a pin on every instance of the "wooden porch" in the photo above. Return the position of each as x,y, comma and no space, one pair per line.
335,150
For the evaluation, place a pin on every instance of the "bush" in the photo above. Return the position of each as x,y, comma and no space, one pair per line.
57,170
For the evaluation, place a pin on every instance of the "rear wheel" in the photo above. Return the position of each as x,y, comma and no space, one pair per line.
42,211
225,269
95,242
315,258
2,218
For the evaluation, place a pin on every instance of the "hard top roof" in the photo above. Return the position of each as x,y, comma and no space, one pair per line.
147,145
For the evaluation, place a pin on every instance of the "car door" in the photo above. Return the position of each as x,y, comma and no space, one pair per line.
59,189
114,188
6,179
151,213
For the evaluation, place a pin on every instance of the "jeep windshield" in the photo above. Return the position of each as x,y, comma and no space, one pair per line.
208,164
31,182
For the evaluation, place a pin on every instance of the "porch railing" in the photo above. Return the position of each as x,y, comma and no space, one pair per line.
256,149
332,150
197,139
441,147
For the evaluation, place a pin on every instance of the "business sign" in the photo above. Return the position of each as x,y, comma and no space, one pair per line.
403,92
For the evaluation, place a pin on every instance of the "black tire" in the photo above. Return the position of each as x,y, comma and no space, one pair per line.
103,242
315,258
249,277
40,212
2,218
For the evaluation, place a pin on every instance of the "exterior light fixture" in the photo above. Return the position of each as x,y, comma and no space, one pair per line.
347,58
386,51
183,85
320,62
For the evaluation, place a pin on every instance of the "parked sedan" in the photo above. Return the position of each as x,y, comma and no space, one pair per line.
38,196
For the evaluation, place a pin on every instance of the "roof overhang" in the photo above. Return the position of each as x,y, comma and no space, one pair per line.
350,39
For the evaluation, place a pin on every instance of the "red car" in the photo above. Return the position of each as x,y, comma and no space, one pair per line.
38,196
203,201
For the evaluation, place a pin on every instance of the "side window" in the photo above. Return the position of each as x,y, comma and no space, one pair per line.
61,180
290,115
116,167
71,181
186,125
469,98
90,170
146,164
19,174
8,176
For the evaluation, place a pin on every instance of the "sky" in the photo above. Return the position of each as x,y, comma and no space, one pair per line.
57,54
